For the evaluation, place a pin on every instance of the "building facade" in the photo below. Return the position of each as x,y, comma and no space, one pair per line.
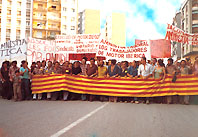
15,19
189,23
115,29
54,17
176,46
89,22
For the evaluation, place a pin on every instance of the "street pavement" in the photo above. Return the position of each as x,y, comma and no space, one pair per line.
96,119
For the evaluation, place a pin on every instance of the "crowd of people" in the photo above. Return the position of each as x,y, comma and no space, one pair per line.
16,81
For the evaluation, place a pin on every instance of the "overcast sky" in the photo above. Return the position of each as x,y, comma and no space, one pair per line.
145,19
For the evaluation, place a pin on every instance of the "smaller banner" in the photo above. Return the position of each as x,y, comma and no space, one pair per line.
175,34
160,48
81,43
38,50
13,50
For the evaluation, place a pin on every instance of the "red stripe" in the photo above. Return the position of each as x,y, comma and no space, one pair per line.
48,84
47,76
137,84
48,80
129,88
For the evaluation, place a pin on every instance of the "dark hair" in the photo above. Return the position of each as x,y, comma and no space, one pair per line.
23,62
196,57
85,58
183,61
160,62
126,63
171,60
14,62
155,59
43,61
92,59
187,59
38,62
33,63
49,61
17,71
113,61
144,58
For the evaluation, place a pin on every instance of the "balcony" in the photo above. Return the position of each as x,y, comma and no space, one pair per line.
194,8
39,1
57,2
40,18
51,28
39,27
40,9
54,20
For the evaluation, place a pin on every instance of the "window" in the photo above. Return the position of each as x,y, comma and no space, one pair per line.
40,6
19,13
18,4
27,23
53,25
73,10
39,34
72,27
73,19
64,9
9,12
54,7
64,27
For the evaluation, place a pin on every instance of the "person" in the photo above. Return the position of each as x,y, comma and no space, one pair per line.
13,69
102,70
153,63
76,69
56,70
83,67
171,70
159,70
189,65
195,66
66,70
184,70
102,73
38,71
33,66
145,72
159,73
133,73
48,71
133,70
92,71
17,86
25,82
6,93
113,71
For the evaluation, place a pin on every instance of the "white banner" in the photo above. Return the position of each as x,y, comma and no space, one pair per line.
112,51
80,43
13,50
39,50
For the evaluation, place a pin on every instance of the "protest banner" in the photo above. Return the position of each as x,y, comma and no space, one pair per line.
123,87
177,35
38,50
112,51
80,43
13,50
160,48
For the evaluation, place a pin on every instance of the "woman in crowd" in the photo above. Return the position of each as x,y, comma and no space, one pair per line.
159,73
6,94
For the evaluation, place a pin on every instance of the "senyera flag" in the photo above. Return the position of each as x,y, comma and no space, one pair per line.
123,87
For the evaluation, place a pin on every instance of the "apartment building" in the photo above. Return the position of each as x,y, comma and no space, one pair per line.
15,20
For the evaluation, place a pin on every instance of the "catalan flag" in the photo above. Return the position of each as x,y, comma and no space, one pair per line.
184,85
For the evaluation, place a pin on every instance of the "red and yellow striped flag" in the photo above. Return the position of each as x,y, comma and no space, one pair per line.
185,85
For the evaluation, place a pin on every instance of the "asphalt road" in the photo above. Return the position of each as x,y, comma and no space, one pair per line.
96,119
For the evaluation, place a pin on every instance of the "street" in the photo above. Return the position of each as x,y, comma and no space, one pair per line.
96,119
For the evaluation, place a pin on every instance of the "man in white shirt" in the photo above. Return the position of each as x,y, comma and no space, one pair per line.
145,69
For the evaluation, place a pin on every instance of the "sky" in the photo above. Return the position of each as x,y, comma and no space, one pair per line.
145,19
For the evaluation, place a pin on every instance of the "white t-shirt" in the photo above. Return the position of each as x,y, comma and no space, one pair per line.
145,72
